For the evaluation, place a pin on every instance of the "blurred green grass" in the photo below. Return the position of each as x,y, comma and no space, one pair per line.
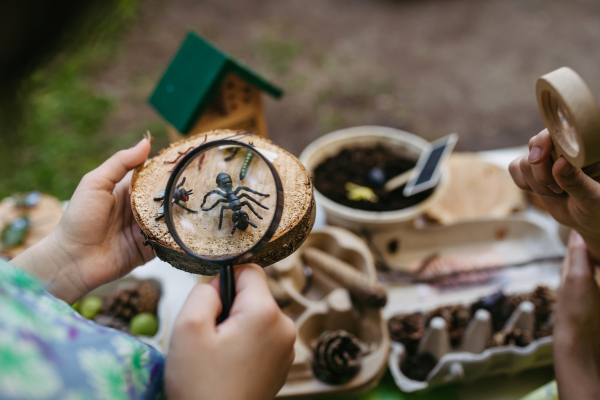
61,135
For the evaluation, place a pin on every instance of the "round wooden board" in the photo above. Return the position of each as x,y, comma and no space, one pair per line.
296,222
476,190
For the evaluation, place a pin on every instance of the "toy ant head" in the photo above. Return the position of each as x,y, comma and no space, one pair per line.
224,182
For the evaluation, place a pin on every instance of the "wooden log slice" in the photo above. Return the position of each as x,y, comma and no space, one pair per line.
296,222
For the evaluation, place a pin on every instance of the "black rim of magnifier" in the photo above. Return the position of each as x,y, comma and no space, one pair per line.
185,161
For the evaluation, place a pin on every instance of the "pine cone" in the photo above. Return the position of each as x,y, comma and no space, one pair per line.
418,366
407,329
337,356
457,318
131,300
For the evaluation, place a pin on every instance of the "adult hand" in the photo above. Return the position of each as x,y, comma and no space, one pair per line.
247,356
97,239
571,195
577,326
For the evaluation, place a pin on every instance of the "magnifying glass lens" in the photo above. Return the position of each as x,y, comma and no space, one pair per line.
223,201
567,135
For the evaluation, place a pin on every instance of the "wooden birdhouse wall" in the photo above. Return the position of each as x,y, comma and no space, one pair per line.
236,105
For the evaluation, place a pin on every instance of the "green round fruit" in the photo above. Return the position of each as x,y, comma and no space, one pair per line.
75,306
90,306
144,324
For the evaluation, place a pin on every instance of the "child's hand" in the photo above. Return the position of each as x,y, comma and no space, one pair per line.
570,194
577,326
97,239
247,356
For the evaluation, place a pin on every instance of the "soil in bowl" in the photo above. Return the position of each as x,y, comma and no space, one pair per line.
370,167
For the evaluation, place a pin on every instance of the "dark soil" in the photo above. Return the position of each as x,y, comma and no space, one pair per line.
370,167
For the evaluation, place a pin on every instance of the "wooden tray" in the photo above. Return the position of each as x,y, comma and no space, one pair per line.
429,254
327,306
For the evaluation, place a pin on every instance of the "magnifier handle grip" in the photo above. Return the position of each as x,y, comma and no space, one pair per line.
227,291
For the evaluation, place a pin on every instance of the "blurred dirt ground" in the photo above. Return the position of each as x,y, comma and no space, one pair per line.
430,67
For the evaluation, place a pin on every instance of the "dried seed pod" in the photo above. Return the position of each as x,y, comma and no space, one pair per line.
279,294
362,287
132,299
457,318
497,306
112,322
497,339
544,330
337,356
407,329
418,366
544,300
518,337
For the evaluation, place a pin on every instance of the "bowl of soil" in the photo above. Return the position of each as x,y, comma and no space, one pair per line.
367,156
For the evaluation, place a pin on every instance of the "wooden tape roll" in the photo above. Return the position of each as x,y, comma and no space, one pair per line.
571,115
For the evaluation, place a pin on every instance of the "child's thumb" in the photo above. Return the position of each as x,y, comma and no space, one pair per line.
113,170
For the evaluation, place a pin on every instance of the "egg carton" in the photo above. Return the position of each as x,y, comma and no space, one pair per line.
325,305
473,359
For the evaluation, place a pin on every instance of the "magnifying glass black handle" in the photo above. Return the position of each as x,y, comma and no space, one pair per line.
227,291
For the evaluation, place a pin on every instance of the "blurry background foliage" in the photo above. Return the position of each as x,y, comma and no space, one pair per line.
61,137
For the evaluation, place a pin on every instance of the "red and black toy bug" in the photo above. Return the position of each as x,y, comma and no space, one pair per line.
179,195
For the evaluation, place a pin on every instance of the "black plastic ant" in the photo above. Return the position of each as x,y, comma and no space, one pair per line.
179,195
240,217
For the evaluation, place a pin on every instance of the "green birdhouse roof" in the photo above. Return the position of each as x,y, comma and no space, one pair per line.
193,77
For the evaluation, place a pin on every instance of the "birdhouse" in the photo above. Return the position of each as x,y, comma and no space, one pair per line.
205,88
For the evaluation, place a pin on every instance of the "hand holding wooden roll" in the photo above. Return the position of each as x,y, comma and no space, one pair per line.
363,288
571,115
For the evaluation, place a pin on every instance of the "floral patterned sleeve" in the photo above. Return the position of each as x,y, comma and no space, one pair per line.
48,351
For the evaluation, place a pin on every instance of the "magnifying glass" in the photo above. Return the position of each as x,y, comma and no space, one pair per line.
571,115
222,204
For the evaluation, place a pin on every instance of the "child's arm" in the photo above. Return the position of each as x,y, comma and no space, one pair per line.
577,326
97,239
248,356
570,194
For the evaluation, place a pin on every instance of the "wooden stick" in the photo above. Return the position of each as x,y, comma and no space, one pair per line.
362,287
398,181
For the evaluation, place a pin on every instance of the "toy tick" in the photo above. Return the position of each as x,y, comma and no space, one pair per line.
240,217
179,195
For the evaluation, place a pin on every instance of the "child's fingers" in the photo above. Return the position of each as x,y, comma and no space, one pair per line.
517,175
539,188
541,161
576,183
540,148
200,311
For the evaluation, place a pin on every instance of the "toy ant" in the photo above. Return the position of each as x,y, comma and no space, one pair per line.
240,217
179,195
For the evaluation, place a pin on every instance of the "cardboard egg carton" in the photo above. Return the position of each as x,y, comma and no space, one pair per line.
320,304
473,359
